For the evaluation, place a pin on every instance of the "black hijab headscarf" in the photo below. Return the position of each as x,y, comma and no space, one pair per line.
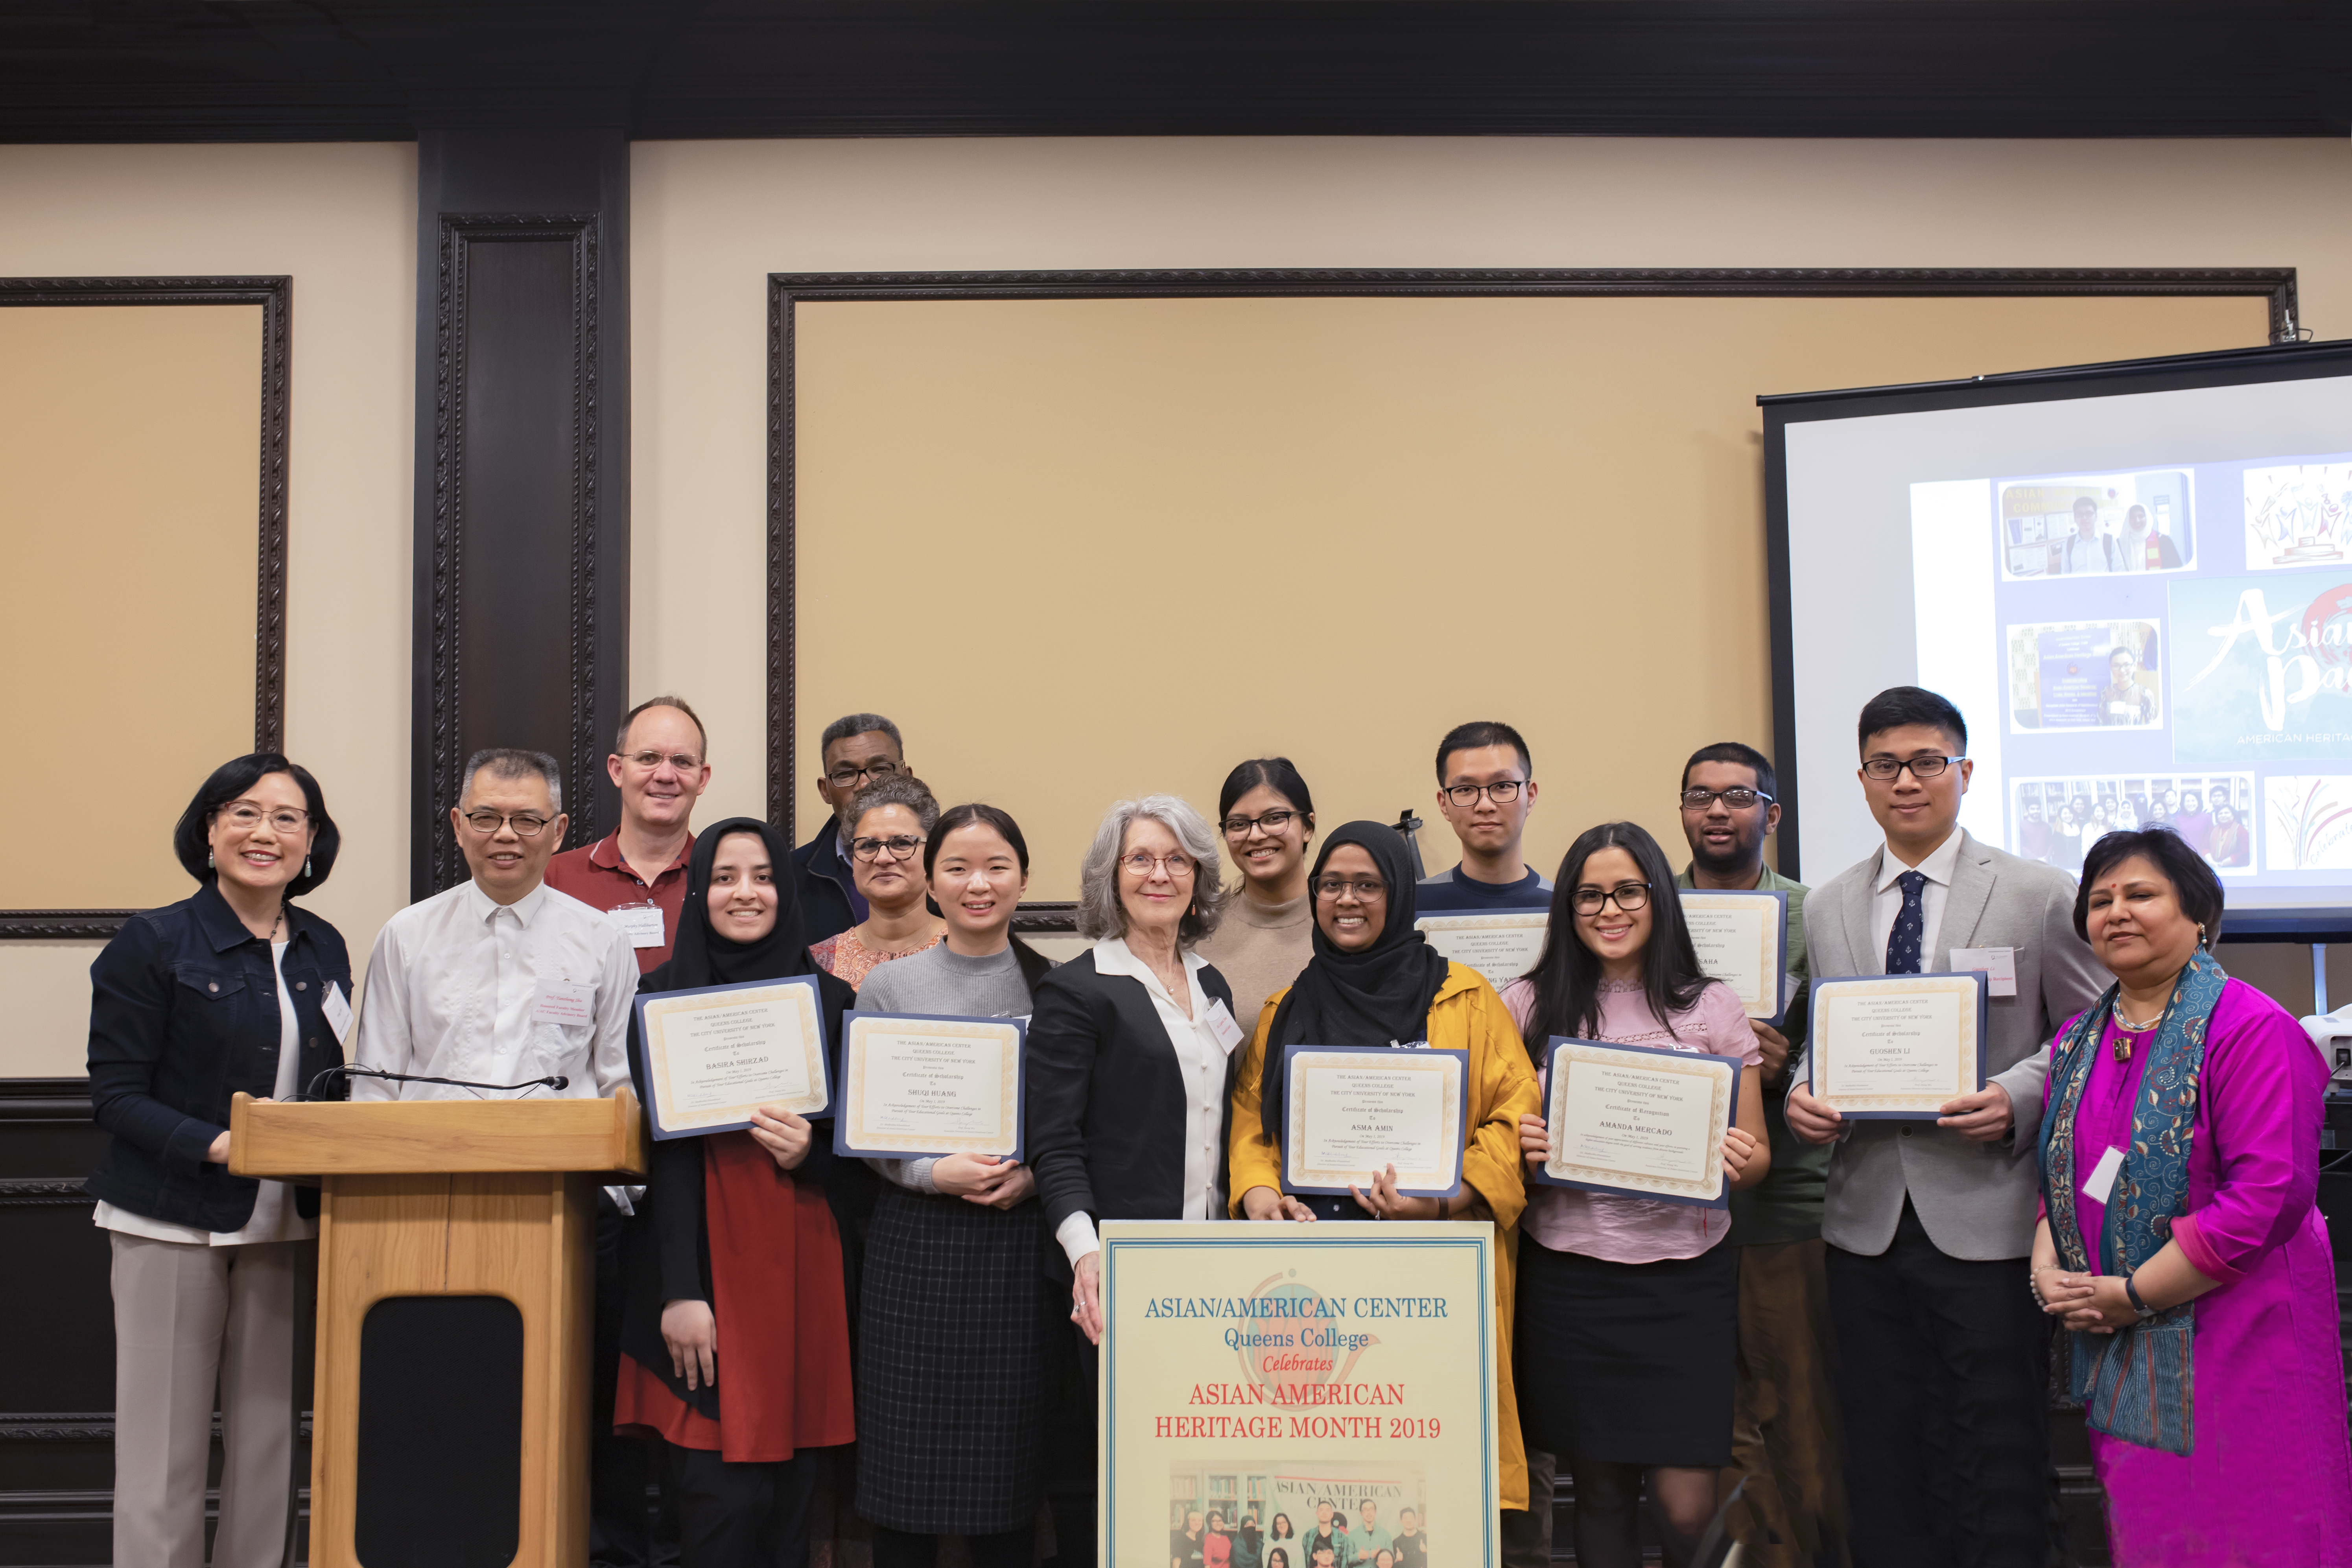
670,1257
701,956
1377,996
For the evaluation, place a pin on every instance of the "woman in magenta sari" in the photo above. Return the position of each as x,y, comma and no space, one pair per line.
2180,1239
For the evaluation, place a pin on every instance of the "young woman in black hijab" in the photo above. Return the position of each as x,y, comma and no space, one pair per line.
735,1337
1375,981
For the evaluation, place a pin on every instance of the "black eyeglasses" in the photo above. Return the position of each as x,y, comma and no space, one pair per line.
1272,822
529,824
1884,769
1501,793
1337,888
845,776
1697,799
899,844
1626,895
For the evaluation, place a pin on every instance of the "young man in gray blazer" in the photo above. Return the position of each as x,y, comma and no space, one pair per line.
1942,1355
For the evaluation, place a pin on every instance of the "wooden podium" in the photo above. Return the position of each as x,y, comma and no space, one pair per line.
457,1251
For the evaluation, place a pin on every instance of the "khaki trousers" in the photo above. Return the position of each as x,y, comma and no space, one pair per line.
1783,1440
188,1319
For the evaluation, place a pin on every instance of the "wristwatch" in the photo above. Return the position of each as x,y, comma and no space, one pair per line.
2131,1294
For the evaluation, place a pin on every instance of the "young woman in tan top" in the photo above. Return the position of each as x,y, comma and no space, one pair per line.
1267,816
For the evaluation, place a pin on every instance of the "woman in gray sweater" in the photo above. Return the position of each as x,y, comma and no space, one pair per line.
953,1320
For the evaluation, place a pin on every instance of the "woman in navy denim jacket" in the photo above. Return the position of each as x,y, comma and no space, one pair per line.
232,989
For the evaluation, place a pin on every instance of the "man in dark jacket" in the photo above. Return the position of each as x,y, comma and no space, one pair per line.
856,750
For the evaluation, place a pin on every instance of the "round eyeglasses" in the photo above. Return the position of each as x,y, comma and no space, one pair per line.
1626,895
900,845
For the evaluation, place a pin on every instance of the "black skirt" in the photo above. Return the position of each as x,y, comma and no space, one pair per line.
950,1365
1627,1362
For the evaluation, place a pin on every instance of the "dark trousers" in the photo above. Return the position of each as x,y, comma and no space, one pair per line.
1073,1373
1014,1547
1941,1380
741,1516
619,1533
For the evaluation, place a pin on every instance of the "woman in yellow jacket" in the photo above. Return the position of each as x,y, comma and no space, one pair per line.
1375,981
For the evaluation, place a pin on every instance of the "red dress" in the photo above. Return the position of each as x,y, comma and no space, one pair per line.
782,1327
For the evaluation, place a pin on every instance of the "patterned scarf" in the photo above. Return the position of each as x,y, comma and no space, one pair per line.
2135,1384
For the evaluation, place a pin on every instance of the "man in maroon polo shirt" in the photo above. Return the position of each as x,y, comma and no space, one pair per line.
661,761
638,871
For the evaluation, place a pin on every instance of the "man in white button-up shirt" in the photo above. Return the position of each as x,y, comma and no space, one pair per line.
501,979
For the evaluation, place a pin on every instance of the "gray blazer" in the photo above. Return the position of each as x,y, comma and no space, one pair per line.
1975,1200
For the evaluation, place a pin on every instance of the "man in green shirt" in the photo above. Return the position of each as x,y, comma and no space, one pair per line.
1781,1440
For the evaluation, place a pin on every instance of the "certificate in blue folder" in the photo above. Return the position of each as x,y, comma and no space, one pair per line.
1742,940
1639,1122
1896,1046
714,1054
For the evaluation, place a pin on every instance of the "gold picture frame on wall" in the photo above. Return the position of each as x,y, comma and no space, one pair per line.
273,297
843,425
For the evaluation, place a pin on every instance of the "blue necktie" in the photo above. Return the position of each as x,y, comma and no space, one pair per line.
1910,925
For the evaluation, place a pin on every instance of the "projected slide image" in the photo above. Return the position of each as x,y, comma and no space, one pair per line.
2097,525
2054,820
2261,668
2082,675
2299,516
2309,823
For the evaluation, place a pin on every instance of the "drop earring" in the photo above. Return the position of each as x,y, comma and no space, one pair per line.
306,868
209,865
2200,934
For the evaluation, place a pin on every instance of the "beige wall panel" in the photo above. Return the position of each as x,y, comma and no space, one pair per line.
129,486
711,219
1331,529
341,219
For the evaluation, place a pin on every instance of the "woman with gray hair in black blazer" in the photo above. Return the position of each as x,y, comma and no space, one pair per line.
1129,1076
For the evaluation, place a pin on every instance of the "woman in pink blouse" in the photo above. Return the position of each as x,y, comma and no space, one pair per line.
1629,1307
2182,1239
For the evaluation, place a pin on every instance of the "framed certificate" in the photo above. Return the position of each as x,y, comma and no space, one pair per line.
1354,1110
913,1086
1897,1046
1743,941
717,1053
1639,1122
1501,944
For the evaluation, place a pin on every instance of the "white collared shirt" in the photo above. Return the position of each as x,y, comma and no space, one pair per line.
1202,1061
1888,903
451,989
2080,557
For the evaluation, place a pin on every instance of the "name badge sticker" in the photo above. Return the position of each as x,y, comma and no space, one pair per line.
643,923
338,1012
1999,963
1221,1024
564,1002
2103,1175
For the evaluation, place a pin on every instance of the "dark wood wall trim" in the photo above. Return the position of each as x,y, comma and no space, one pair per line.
448,745
786,291
521,594
275,296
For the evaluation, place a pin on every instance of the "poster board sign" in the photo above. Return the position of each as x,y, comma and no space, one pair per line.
1265,1366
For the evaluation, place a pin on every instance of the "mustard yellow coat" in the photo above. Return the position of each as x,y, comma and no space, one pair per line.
1466,1016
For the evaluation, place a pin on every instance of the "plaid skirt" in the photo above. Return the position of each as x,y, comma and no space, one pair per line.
950,1382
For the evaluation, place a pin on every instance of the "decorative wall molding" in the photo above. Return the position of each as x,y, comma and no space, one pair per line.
788,289
442,657
275,296
1047,917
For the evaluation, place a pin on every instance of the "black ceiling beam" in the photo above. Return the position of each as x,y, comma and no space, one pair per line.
138,70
